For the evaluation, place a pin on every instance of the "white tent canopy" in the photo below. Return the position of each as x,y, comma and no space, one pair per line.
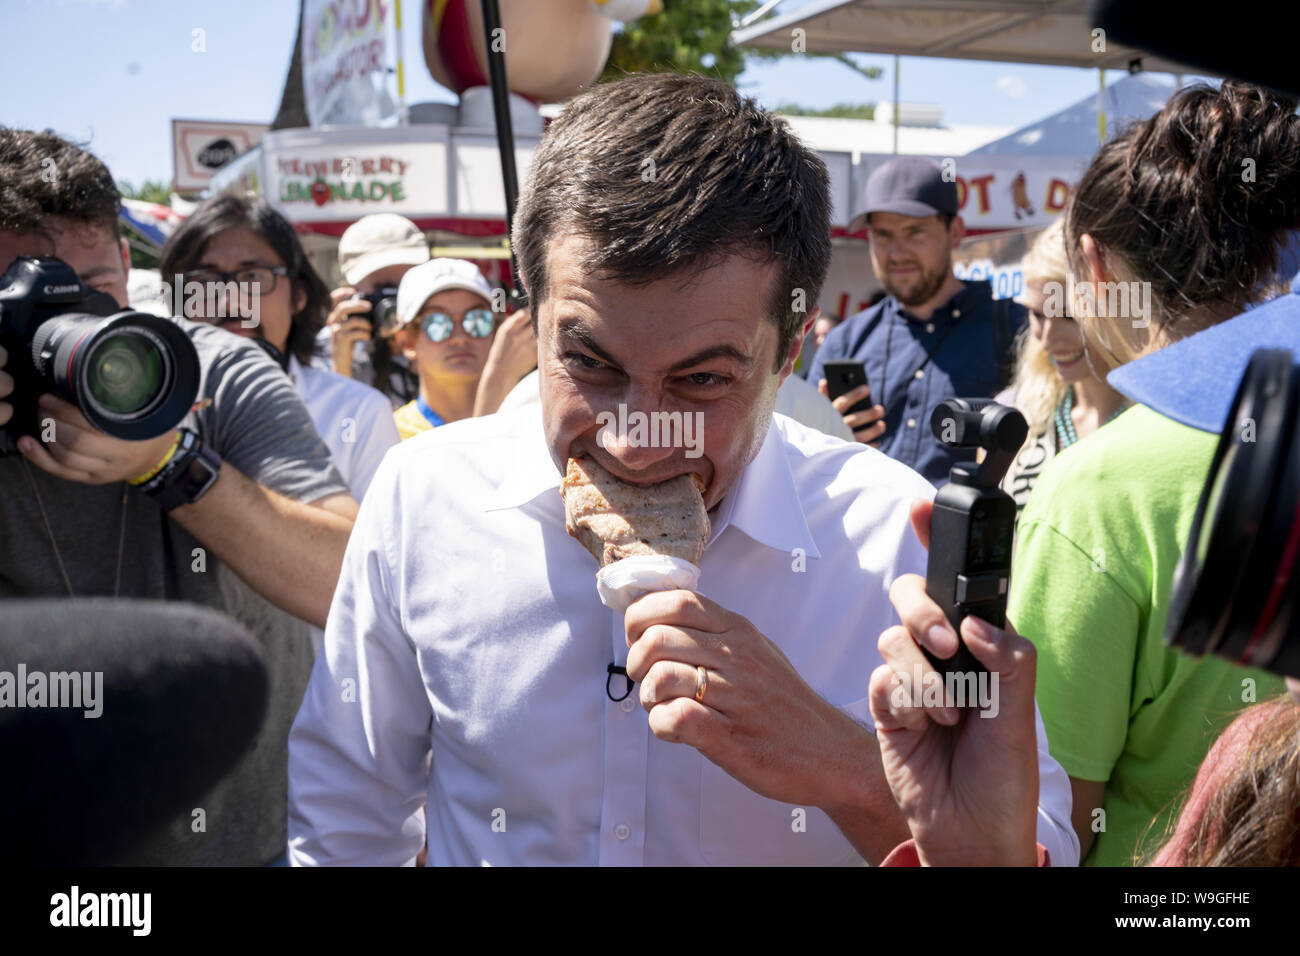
1051,32
1073,130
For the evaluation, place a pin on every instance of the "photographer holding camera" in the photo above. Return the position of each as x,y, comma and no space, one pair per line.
374,253
239,509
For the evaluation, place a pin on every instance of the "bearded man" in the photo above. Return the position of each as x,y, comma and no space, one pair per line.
933,336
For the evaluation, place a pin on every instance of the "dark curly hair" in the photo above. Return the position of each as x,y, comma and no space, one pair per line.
185,247
1195,199
43,175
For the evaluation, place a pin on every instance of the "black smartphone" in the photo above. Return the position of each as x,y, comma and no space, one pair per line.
843,376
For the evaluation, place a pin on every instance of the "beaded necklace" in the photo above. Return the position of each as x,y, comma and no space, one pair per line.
1065,433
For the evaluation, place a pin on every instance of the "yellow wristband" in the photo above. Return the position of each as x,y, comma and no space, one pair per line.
162,464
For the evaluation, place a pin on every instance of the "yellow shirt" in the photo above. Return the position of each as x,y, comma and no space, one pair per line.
410,422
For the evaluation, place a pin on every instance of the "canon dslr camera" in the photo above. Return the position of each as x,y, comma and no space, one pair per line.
133,375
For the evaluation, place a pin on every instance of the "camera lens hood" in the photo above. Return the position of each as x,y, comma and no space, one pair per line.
69,351
1235,573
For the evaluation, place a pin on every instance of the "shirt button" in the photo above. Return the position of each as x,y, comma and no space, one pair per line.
920,373
929,326
911,423
628,705
956,313
622,831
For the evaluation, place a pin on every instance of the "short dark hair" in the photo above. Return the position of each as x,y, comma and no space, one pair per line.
43,175
186,245
666,174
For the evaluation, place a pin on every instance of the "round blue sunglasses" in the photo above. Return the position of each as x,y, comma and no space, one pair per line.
477,323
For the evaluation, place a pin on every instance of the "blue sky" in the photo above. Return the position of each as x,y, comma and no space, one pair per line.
113,73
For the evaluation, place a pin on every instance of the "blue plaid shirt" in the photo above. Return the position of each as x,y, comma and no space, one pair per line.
963,346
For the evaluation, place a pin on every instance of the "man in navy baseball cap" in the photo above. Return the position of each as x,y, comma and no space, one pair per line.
909,186
934,336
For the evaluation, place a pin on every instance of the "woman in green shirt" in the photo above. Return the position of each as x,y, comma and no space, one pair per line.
1165,237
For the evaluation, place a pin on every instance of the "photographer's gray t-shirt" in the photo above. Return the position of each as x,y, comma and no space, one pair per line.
257,424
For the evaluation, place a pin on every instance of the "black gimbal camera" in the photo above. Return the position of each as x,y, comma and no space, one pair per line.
974,521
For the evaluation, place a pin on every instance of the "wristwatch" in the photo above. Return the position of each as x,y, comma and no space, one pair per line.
186,478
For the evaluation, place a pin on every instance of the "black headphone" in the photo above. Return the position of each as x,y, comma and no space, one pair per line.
1236,586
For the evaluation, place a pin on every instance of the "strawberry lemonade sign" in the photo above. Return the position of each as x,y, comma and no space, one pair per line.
326,184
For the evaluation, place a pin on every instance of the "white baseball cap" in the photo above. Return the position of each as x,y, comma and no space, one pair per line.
377,241
438,275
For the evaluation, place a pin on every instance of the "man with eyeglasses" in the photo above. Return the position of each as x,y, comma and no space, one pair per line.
445,307
258,282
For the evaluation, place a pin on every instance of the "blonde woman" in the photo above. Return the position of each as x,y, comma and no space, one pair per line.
1060,384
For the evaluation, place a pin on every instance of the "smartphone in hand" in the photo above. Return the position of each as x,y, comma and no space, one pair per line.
843,376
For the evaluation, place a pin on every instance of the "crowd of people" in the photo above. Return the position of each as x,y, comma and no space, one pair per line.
378,506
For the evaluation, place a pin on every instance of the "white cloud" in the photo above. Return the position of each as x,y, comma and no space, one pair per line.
1011,86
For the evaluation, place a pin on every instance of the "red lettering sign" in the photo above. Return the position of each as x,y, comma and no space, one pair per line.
1058,191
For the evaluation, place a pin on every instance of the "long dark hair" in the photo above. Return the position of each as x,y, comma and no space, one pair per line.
1195,201
231,211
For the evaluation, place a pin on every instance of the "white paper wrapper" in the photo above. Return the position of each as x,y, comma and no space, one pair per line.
621,583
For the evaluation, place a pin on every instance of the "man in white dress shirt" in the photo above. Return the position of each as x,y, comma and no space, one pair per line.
470,665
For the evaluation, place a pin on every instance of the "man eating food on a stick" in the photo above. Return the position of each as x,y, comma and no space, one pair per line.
472,662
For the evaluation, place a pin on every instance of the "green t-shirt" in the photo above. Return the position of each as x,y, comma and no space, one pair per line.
1091,584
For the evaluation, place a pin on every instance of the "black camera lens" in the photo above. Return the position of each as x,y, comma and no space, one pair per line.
133,375
386,316
125,373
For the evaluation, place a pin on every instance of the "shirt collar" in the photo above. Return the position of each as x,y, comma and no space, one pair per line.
763,505
430,416
968,297
532,471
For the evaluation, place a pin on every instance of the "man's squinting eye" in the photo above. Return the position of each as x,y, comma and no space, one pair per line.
583,360
708,379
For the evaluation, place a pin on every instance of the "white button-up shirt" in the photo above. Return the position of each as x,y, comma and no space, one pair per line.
354,420
466,657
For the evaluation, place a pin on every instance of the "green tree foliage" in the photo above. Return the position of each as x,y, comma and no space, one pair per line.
862,111
686,36
690,36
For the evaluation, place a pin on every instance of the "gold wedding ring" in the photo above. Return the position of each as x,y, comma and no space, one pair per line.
701,682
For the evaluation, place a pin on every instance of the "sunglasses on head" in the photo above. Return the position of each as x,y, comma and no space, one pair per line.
477,323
